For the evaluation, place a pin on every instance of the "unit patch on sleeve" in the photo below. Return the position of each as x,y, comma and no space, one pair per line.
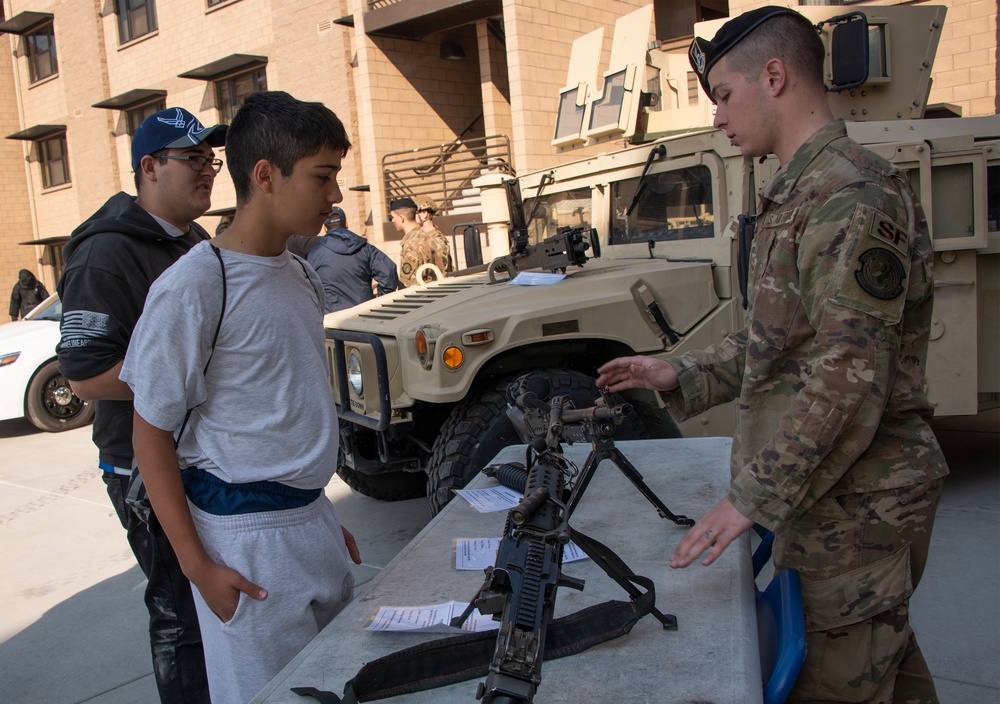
881,274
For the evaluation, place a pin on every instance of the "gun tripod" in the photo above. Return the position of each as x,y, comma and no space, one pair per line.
603,448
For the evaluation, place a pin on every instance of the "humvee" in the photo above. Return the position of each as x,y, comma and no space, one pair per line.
657,229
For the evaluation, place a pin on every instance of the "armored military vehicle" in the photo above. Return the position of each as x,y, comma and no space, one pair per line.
637,250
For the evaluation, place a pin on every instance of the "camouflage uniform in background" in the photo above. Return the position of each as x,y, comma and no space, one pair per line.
833,451
418,248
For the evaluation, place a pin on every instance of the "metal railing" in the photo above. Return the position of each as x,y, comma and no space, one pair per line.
444,172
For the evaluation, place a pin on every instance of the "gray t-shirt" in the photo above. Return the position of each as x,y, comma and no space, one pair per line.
264,410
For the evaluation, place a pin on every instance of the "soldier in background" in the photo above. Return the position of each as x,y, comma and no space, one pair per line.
417,247
833,452
426,210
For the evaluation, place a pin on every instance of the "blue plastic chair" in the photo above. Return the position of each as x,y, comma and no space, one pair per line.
781,631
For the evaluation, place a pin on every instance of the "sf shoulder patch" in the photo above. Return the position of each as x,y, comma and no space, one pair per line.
875,265
890,233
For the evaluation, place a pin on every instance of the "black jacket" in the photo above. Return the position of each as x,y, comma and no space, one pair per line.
111,261
28,292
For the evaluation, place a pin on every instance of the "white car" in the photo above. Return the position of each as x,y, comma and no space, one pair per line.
31,385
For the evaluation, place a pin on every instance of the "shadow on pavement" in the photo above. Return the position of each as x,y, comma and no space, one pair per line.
17,428
82,648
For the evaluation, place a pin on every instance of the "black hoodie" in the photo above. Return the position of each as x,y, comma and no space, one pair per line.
111,261
28,292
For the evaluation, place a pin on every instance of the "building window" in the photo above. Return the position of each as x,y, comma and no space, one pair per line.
231,91
137,115
213,3
54,162
40,46
136,18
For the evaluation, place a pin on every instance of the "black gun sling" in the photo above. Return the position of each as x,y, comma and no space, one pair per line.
468,656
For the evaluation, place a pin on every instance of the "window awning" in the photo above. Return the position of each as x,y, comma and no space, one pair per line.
222,212
416,18
58,239
130,98
231,64
33,134
24,22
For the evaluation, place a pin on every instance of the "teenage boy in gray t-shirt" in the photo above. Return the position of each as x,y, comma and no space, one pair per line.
226,363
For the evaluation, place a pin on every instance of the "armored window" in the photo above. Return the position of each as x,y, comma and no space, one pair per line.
555,210
232,91
40,48
53,160
672,205
136,115
136,18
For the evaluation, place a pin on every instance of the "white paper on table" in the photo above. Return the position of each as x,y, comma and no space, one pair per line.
535,278
494,498
429,619
480,553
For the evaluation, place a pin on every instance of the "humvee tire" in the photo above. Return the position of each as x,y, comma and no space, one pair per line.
478,428
389,486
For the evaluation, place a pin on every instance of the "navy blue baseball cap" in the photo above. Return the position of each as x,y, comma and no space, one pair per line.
337,217
704,53
173,128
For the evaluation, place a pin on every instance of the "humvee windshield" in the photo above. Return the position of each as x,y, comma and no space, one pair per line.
555,210
672,205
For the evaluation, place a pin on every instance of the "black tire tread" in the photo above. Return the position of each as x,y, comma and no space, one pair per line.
387,486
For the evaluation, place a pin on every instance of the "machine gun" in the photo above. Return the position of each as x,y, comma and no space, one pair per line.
568,247
520,588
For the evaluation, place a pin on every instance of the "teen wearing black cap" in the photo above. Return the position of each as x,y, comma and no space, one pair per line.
111,261
833,452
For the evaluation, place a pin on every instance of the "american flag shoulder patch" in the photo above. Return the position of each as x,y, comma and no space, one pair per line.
78,326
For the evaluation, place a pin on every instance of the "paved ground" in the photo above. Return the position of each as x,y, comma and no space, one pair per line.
73,627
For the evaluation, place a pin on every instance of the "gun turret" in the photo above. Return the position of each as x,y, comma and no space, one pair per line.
568,247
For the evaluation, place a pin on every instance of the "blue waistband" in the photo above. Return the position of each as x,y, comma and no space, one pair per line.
111,469
213,495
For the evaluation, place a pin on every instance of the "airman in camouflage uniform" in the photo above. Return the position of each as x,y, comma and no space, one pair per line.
426,210
417,247
833,451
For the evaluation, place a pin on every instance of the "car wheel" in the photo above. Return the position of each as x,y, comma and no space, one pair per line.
478,428
50,403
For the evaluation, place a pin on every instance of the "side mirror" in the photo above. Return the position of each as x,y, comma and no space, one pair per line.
849,50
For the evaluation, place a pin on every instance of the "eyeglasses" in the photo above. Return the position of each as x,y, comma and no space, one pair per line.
197,163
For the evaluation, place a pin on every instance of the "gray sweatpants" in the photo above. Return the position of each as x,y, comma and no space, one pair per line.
300,558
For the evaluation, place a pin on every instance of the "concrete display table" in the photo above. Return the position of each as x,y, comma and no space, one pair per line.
712,657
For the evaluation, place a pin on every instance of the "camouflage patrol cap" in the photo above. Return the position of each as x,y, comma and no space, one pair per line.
704,53
426,203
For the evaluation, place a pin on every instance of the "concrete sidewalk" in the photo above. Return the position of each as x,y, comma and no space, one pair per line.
73,625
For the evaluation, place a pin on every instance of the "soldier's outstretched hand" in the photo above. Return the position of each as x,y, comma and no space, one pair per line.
637,372
714,532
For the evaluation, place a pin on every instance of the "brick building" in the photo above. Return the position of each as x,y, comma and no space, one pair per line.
443,77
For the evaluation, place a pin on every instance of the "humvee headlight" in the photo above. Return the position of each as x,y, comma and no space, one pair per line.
452,357
354,373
